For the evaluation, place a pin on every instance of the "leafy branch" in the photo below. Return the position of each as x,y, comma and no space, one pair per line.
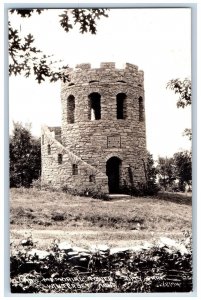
26,59
183,88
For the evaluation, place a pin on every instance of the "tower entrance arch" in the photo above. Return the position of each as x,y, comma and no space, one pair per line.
113,169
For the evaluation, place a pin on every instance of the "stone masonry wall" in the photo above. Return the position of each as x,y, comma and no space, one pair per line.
89,139
60,175
89,143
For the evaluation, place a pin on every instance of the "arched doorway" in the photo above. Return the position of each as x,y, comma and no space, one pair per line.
113,172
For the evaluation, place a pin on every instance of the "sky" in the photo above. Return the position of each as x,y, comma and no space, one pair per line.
157,40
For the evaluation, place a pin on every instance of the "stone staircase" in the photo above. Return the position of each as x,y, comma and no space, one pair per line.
72,157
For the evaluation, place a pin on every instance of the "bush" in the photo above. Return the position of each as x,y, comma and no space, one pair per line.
58,216
93,192
37,184
141,189
161,268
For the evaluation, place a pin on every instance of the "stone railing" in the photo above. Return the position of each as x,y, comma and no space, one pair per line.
74,159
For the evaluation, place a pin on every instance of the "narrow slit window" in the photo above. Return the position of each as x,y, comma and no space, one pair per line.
60,159
92,178
75,169
71,109
42,139
121,106
48,149
93,81
121,81
141,109
94,106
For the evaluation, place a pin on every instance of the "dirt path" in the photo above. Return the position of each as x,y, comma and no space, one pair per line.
55,232
87,238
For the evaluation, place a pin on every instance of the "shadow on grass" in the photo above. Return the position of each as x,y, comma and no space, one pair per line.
174,197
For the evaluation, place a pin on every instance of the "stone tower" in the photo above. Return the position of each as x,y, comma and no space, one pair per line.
102,139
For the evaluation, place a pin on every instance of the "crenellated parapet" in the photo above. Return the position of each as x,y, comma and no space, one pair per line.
107,73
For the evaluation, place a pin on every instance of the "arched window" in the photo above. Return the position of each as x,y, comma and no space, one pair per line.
48,149
60,159
121,106
94,106
71,109
141,109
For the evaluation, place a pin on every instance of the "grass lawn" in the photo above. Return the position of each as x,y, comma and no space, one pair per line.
86,221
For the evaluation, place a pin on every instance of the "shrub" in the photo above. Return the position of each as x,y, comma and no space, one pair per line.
140,189
58,216
93,192
161,268
37,184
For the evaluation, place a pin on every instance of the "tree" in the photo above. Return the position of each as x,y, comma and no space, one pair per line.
166,171
183,88
25,157
177,168
151,174
151,169
188,132
25,59
183,163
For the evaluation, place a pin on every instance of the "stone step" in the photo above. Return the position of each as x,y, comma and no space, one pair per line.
118,196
